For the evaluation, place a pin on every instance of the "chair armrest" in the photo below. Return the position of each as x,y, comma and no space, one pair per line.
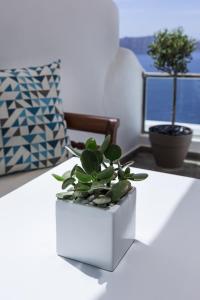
91,123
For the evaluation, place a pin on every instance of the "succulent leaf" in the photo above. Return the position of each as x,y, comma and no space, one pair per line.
120,189
137,177
113,152
105,174
90,162
66,175
65,195
101,200
106,180
99,156
68,182
105,143
127,171
82,176
98,186
83,187
58,177
73,170
91,144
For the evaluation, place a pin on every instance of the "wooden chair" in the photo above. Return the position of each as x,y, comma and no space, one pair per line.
91,123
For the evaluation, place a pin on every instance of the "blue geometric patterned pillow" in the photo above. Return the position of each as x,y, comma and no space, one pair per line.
33,132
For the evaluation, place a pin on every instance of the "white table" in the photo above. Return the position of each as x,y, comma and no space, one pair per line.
164,264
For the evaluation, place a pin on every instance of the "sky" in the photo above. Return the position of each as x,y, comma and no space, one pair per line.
145,17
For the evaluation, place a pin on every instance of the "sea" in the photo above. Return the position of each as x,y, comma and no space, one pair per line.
160,91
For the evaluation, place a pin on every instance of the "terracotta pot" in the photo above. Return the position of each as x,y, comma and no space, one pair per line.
169,150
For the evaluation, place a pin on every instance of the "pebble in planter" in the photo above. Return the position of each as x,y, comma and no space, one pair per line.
95,214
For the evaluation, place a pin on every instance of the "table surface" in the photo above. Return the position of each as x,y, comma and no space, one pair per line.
163,264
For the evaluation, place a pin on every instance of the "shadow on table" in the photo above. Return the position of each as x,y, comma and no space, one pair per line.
95,272
168,269
88,270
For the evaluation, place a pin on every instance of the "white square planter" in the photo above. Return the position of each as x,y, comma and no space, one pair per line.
93,235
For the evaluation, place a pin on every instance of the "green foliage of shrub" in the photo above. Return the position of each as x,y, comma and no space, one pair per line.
100,180
171,51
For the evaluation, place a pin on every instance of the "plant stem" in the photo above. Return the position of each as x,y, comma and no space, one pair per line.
104,164
174,99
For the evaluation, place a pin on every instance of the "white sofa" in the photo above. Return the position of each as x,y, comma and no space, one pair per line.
98,77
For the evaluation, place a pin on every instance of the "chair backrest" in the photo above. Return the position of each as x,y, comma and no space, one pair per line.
95,124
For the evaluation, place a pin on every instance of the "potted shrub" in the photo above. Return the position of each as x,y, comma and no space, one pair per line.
95,214
171,52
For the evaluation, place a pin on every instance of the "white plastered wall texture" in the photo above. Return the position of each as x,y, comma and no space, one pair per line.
98,77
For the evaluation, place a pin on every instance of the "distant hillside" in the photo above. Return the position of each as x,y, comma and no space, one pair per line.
139,45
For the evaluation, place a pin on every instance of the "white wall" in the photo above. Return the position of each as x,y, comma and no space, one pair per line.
97,77
123,96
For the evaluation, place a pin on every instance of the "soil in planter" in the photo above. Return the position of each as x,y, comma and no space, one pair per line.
174,130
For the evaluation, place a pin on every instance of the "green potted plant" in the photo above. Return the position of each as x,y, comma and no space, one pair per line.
171,52
95,214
